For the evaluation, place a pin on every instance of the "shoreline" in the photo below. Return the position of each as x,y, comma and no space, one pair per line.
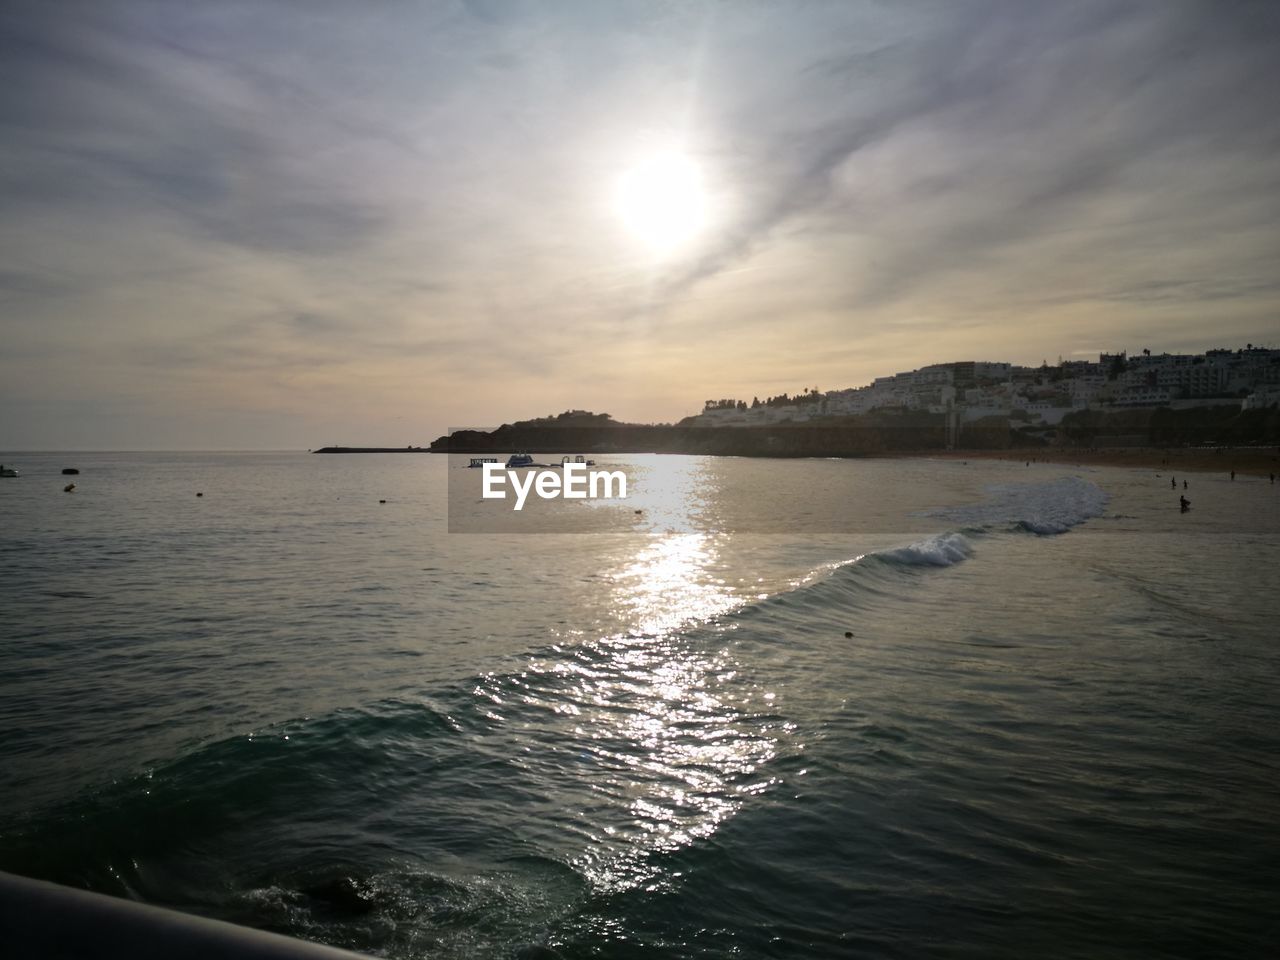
1245,461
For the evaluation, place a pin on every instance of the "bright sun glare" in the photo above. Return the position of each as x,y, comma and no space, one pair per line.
661,201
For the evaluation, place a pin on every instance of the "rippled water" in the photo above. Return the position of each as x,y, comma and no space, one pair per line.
1052,731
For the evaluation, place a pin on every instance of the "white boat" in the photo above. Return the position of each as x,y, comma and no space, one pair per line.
564,461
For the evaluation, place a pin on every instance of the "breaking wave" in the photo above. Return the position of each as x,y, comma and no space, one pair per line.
1047,508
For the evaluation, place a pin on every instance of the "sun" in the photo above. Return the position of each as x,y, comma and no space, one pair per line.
662,202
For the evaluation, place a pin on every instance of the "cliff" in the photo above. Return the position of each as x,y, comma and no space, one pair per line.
838,437
883,432
1163,427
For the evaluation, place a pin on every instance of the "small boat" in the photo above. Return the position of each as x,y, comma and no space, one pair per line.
7,471
519,460
477,463
70,472
565,461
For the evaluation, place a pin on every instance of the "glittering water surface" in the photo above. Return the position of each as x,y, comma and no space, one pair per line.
1052,732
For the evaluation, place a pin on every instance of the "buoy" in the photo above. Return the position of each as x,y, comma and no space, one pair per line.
68,488
382,501
848,634
199,494
70,472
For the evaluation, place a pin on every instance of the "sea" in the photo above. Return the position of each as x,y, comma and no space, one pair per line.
874,708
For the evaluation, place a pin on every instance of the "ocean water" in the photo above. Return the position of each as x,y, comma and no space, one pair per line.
1052,732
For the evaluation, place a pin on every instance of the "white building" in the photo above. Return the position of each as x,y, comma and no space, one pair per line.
1193,380
1086,388
1268,396
1142,397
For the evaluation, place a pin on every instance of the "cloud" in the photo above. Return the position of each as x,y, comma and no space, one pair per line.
323,209
1002,121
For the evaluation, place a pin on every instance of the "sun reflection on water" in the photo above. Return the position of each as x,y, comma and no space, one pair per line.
647,739
675,744
660,732
673,494
671,582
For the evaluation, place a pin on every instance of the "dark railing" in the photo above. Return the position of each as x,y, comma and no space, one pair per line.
39,920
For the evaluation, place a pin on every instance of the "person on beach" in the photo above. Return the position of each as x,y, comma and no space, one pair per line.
1184,503
1233,474
1184,484
1173,483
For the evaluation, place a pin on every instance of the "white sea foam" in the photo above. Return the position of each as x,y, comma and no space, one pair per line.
942,550
1053,506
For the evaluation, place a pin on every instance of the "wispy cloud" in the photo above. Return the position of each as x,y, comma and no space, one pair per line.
303,215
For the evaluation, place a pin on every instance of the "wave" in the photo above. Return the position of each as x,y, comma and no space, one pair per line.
598,763
275,758
602,759
943,550
1045,508
402,747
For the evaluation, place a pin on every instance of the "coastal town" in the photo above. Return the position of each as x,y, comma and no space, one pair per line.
1221,399
1034,398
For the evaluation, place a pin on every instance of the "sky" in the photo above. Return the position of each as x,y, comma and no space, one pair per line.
281,225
